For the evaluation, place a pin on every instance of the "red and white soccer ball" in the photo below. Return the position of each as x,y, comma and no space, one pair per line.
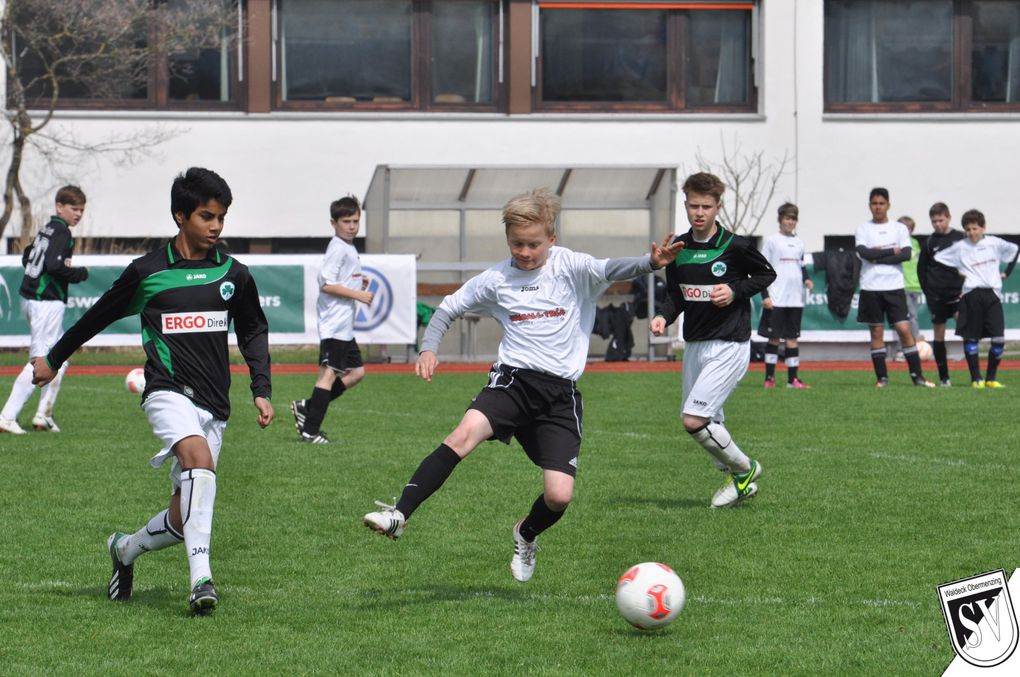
135,380
924,350
650,595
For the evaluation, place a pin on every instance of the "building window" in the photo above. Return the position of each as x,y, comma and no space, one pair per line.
389,54
175,54
922,55
665,56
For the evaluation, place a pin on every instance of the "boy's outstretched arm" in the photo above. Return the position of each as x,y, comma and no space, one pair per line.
629,267
434,333
252,332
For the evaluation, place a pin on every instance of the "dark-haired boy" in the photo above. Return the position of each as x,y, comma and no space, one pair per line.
341,285
941,284
187,370
883,246
48,271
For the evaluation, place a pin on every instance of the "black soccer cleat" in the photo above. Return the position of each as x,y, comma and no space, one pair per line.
317,438
123,576
300,410
203,598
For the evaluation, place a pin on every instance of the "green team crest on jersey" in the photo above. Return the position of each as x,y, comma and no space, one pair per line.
718,268
226,290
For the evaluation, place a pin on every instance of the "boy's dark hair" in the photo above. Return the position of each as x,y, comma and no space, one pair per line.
881,192
706,184
195,187
972,216
938,208
344,207
789,209
71,195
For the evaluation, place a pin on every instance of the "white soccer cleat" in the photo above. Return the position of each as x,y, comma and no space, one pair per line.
522,566
739,487
9,425
43,422
389,521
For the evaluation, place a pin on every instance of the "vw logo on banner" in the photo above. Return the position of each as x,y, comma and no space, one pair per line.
367,318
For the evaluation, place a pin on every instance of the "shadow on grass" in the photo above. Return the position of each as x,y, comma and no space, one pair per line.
663,503
166,600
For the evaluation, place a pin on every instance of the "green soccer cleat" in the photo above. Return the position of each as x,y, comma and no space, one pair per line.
740,487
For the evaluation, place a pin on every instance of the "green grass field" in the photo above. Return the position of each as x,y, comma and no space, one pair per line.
869,500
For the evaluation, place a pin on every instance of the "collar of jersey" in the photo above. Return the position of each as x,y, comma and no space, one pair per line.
173,256
57,218
713,251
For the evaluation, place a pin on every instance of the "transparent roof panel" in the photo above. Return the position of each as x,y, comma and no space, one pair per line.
608,186
497,185
425,185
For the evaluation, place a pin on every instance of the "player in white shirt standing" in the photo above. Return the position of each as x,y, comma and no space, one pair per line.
883,246
544,297
977,258
783,301
341,287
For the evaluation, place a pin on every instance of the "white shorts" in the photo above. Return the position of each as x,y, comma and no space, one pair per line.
46,322
712,370
174,417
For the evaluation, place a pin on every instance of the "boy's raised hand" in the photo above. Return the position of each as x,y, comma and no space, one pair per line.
664,254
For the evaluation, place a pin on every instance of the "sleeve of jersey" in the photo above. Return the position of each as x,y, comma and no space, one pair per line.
673,304
949,257
760,274
627,268
471,297
55,265
922,266
252,331
114,304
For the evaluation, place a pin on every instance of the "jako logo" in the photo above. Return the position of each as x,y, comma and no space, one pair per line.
367,318
193,323
980,618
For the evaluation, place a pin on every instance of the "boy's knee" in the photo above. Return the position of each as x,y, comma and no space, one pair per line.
559,499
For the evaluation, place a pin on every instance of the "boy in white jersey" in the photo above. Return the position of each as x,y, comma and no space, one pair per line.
883,246
977,258
341,286
544,296
783,301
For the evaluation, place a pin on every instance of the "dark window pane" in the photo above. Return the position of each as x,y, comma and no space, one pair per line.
717,49
354,50
204,71
462,51
995,73
887,51
604,55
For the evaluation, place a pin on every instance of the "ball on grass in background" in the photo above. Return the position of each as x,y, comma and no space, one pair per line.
650,595
924,350
135,380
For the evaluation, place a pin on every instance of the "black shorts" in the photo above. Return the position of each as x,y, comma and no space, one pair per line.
874,307
542,411
780,323
340,356
980,315
942,307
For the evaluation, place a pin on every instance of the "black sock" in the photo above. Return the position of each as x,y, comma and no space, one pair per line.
539,519
973,364
878,361
771,355
430,475
317,404
338,389
792,363
941,361
913,359
994,357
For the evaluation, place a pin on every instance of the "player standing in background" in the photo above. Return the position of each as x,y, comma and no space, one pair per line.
783,300
544,297
941,284
712,282
883,246
187,294
48,271
341,285
977,258
911,281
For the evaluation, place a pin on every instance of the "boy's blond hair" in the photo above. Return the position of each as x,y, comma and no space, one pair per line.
537,206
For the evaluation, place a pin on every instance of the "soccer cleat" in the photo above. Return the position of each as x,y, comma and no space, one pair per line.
739,487
300,410
389,521
203,599
43,422
994,384
522,566
882,382
770,383
9,425
123,576
317,438
797,384
922,382
945,383
979,385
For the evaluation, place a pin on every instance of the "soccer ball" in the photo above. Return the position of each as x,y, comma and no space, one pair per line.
924,350
650,595
135,380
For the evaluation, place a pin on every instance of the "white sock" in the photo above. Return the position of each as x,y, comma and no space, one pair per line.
155,535
20,392
198,495
716,440
48,396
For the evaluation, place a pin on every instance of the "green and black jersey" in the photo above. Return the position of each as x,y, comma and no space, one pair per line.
46,271
186,308
725,259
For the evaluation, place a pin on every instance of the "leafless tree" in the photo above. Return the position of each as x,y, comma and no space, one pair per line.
90,50
751,180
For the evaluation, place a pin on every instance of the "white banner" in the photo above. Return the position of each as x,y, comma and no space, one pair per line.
392,317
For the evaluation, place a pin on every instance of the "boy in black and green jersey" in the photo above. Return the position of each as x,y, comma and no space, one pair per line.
711,283
187,294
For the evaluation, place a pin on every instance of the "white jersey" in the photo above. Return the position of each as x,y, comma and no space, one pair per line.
882,276
547,314
786,254
978,261
342,266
